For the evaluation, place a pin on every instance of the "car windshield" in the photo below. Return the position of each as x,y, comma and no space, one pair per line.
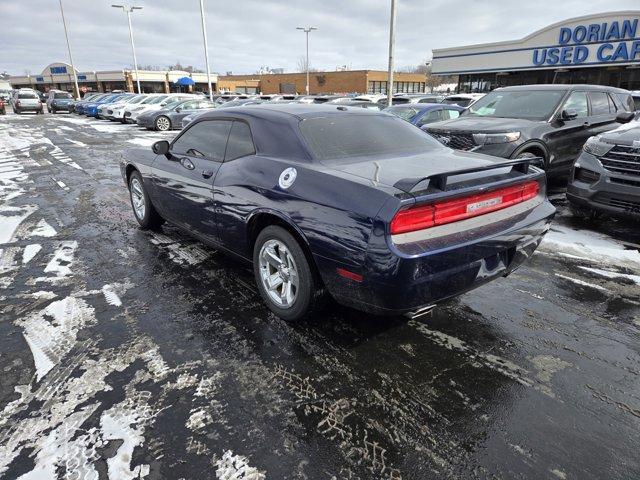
402,112
346,136
62,95
27,95
150,100
171,101
528,104
135,99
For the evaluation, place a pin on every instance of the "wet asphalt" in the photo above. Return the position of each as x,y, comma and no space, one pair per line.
131,354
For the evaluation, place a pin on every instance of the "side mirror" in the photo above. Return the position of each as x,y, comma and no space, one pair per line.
569,114
625,117
161,147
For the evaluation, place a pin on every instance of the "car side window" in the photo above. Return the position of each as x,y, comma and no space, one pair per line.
207,139
430,117
578,101
599,103
627,101
451,114
613,106
186,106
240,142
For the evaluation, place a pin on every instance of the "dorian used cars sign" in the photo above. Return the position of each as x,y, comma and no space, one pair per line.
615,41
592,40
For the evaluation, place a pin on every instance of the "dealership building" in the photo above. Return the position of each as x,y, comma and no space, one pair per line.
60,76
601,49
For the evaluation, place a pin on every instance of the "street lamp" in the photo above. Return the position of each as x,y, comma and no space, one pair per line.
307,30
128,9
206,50
75,77
392,43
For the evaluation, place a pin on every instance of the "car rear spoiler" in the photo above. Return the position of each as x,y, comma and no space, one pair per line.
439,180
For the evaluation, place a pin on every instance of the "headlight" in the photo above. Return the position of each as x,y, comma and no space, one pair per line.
595,147
488,138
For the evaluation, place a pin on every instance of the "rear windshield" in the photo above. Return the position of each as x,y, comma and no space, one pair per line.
62,95
27,95
463,102
527,104
347,136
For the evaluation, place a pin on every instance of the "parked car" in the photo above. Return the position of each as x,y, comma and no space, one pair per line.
420,114
350,201
80,106
41,95
415,98
170,117
190,118
606,176
91,109
162,101
88,96
548,121
360,104
106,111
463,99
57,101
5,94
241,102
372,97
635,95
26,100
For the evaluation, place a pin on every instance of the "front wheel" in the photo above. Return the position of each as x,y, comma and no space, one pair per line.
162,123
143,209
283,274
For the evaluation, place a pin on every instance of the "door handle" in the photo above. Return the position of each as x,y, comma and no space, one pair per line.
186,163
207,173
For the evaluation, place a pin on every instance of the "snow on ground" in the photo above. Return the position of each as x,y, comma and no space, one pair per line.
588,245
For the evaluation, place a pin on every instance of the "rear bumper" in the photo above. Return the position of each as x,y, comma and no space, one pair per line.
30,108
397,282
614,194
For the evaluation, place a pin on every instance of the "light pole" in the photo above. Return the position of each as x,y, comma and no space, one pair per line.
307,30
75,77
128,9
206,50
392,42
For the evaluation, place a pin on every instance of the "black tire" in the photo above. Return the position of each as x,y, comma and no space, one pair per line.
162,124
16,111
308,292
151,219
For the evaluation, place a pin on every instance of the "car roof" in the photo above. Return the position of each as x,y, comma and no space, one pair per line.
422,106
562,86
292,110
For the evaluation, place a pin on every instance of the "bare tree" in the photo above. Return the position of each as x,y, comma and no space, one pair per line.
301,65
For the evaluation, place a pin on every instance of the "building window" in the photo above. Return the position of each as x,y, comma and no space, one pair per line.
377,87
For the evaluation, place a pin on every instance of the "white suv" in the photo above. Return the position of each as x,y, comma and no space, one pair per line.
115,110
26,99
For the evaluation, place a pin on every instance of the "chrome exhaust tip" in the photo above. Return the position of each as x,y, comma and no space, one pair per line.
420,312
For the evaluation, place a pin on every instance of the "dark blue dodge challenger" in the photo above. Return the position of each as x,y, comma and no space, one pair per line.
357,203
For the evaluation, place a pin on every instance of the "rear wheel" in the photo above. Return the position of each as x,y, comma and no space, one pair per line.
53,110
283,274
143,209
162,123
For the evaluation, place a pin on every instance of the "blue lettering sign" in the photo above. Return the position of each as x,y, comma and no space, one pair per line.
39,79
58,70
82,77
601,55
581,54
565,35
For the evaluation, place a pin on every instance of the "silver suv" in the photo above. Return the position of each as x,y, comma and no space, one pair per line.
25,100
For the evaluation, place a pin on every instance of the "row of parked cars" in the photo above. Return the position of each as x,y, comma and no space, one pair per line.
566,127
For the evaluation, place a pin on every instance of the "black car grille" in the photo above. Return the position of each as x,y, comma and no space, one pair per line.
458,141
127,114
622,159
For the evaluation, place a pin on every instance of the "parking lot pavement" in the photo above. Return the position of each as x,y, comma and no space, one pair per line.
128,354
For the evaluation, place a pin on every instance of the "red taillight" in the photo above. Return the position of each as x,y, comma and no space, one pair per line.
17,103
343,272
440,213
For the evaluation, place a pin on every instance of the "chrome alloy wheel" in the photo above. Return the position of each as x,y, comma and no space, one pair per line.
279,273
163,124
137,198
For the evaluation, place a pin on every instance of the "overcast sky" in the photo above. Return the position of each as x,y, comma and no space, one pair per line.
246,34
